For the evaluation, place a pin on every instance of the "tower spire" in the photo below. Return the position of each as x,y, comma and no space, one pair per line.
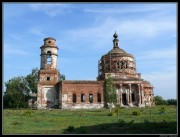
115,41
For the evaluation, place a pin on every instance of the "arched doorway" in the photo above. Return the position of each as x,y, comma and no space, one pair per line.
124,99
124,94
134,94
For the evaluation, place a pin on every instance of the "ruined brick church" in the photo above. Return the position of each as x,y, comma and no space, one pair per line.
131,89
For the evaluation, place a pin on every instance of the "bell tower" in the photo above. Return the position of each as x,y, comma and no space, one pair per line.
47,88
49,54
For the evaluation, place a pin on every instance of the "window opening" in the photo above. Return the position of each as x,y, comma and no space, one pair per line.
99,97
90,98
82,98
48,78
74,98
133,97
49,59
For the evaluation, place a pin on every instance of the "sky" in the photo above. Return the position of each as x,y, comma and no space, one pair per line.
84,32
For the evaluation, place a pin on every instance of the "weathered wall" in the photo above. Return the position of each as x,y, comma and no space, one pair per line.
69,88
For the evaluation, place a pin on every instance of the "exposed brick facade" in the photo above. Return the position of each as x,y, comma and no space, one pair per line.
130,88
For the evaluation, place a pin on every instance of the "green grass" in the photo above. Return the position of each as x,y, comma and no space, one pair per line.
150,120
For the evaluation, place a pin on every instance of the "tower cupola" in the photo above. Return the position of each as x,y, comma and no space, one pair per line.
49,54
115,41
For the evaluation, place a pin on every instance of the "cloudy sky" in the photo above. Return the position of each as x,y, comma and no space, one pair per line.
84,32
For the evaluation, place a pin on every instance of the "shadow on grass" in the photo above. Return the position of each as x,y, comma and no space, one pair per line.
126,128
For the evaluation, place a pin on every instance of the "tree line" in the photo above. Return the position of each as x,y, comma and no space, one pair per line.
160,101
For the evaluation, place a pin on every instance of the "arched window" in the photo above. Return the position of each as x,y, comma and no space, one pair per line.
82,97
48,53
49,58
99,97
121,64
91,98
74,98
118,65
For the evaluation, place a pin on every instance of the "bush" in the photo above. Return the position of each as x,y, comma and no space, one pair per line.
71,128
146,121
162,110
136,113
116,111
111,114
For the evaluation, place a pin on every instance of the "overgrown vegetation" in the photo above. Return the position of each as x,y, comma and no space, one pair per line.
19,90
110,93
122,121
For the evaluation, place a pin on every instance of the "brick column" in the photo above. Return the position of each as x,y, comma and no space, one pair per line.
78,97
120,95
86,97
130,98
142,95
139,95
95,98
127,97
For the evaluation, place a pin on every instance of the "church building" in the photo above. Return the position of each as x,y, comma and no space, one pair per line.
131,89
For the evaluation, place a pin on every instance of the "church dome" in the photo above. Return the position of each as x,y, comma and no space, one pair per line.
119,52
116,51
117,62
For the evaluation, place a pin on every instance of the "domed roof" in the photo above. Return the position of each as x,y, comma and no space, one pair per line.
49,42
116,50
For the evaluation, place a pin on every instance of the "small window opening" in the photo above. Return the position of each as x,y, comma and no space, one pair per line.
99,97
91,98
49,53
48,78
49,41
82,98
49,59
74,98
118,65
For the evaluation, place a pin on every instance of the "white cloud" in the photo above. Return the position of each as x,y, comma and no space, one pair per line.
51,9
37,31
135,30
9,50
134,8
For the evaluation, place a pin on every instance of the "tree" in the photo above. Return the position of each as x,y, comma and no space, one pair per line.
18,90
172,102
160,101
17,93
32,80
110,92
62,77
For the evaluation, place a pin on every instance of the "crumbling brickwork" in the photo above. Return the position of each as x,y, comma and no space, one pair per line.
131,89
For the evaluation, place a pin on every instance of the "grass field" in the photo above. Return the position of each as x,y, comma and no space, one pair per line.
154,120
